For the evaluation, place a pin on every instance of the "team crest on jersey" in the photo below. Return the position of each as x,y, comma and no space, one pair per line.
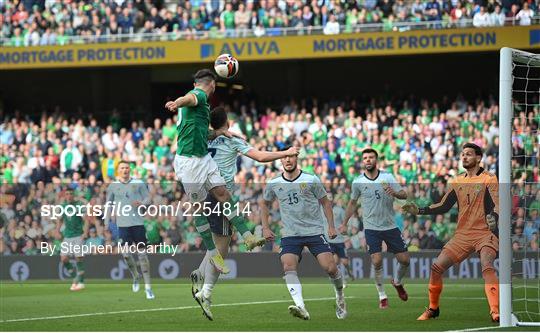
194,196
303,188
478,188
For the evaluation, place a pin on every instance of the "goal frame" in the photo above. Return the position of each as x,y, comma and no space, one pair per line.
507,58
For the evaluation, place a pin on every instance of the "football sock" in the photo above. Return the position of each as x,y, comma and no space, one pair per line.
379,283
69,267
131,264
294,287
144,263
80,271
211,275
435,285
402,270
491,287
238,221
337,281
203,228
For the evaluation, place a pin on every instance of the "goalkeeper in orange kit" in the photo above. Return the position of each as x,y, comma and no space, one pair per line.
477,194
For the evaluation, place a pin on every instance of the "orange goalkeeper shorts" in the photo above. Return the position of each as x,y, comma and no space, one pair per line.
462,245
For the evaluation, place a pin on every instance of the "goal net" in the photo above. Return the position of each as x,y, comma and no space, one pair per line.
519,155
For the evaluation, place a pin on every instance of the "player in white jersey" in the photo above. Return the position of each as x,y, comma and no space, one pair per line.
300,197
338,244
376,190
224,151
126,191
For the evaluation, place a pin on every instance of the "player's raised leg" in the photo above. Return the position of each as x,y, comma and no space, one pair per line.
441,264
397,245
327,262
403,259
215,257
491,282
232,213
289,262
203,296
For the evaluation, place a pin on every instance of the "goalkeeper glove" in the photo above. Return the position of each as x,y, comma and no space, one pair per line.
410,208
491,222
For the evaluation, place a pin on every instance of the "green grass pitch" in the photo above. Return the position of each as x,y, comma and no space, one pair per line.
240,305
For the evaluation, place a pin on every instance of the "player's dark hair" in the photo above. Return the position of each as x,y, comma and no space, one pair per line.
476,148
286,147
370,151
218,117
204,76
122,162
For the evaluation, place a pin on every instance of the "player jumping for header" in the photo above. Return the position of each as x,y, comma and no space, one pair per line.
300,197
477,195
377,189
196,169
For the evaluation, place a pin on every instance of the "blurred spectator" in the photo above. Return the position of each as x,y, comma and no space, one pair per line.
332,26
525,15
481,18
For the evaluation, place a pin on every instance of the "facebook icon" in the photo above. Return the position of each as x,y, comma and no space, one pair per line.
19,271
207,50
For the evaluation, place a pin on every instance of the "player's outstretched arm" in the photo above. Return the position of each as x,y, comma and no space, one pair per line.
269,156
265,217
329,213
186,100
447,202
349,211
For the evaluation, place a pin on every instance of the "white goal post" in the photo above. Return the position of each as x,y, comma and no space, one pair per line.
528,65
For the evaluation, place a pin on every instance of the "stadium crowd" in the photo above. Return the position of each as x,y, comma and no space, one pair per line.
419,142
54,22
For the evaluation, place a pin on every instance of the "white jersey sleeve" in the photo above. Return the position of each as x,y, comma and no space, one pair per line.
268,193
240,145
317,188
356,190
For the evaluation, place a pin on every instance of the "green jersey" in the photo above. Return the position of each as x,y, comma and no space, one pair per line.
224,151
152,231
192,127
73,225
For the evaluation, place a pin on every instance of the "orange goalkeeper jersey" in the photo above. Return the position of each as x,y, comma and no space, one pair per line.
476,197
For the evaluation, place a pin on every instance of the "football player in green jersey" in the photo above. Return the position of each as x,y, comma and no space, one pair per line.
196,169
75,228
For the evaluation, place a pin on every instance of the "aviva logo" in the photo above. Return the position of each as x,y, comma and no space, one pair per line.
239,49
534,37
